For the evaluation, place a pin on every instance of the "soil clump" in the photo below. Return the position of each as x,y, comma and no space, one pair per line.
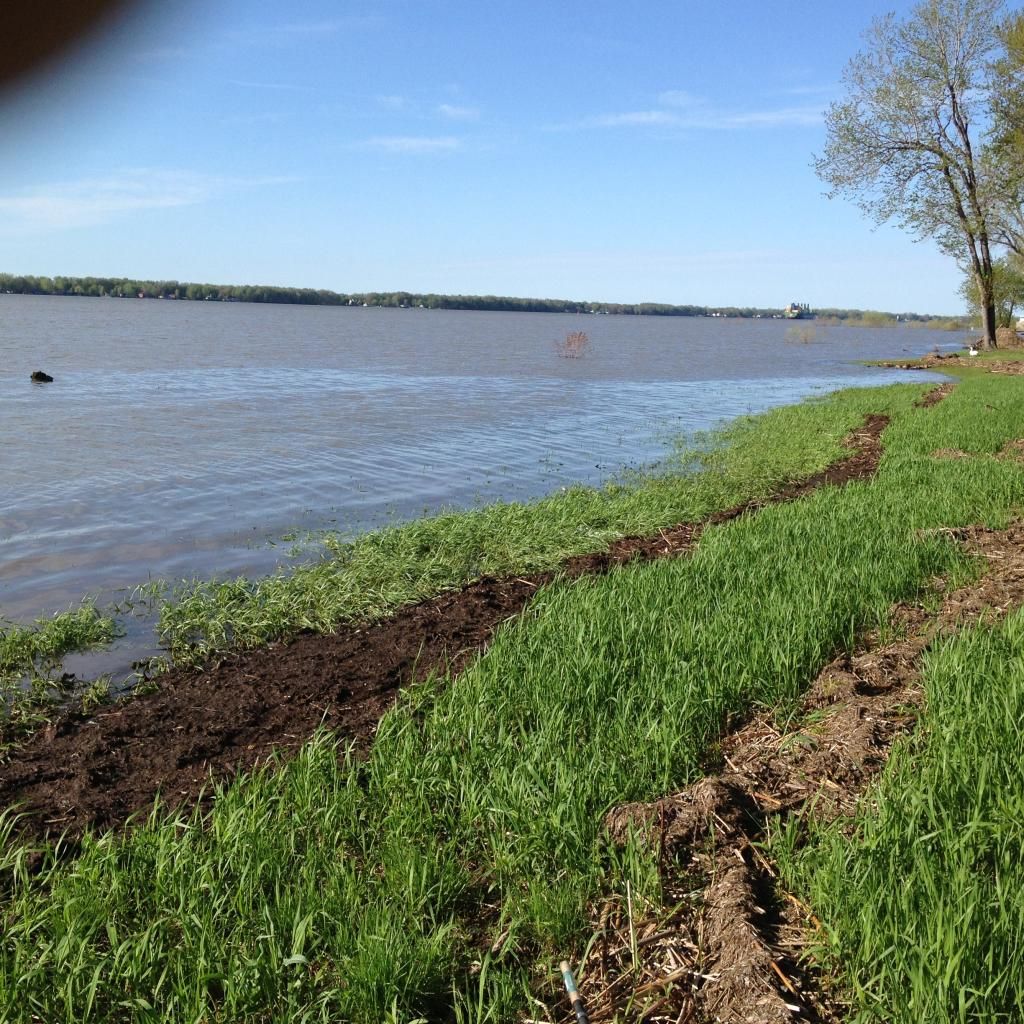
936,395
96,770
735,954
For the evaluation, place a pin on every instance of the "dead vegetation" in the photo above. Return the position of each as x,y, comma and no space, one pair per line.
573,346
801,334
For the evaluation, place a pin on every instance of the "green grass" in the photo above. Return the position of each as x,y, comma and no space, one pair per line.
383,570
923,894
329,889
26,649
30,657
1002,355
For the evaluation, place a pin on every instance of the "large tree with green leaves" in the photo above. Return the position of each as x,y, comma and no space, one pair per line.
905,141
1007,289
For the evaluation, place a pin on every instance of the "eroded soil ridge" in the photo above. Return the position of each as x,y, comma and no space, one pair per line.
940,361
96,771
734,954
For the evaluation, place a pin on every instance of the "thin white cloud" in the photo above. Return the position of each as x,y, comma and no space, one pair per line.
288,34
680,98
636,117
411,143
392,102
455,113
291,33
709,118
798,117
243,83
95,201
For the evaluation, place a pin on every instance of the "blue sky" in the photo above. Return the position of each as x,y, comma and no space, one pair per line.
649,152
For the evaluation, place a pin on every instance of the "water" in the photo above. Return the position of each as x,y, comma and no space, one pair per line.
193,439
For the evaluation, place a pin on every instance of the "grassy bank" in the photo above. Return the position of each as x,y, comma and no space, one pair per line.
386,569
921,895
445,876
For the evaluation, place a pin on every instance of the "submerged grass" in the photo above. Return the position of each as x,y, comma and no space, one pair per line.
922,895
381,571
30,657
445,876
26,649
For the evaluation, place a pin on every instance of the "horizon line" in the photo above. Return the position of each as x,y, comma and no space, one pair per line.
7,278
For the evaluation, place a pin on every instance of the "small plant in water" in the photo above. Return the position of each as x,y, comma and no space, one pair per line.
573,346
95,694
801,334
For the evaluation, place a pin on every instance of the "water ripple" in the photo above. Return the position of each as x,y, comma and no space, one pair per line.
202,433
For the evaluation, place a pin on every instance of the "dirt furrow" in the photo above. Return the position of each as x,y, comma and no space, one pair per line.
743,935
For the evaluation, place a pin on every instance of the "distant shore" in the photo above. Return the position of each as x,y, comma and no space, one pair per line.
131,288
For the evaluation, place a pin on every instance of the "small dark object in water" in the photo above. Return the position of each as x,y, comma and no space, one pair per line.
41,378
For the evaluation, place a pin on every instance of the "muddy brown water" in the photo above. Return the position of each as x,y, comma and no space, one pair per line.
195,439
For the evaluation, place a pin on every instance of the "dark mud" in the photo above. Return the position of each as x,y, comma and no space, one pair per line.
96,771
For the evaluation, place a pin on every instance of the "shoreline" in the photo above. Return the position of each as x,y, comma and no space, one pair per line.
629,686
343,680
273,557
142,646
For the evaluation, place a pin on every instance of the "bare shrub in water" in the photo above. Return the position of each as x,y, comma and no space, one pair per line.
574,345
801,334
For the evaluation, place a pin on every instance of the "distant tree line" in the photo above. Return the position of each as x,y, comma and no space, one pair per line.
130,288
877,318
116,287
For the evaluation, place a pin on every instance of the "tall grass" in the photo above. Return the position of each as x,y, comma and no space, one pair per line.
923,896
446,875
27,649
380,571
30,658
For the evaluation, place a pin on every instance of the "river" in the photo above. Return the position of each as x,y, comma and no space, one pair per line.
195,439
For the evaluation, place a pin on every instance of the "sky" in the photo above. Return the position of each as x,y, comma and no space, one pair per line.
598,151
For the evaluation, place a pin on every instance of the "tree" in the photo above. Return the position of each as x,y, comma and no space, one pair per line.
1007,289
1005,153
904,143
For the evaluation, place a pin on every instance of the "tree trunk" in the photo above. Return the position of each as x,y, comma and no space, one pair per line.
987,305
988,325
988,294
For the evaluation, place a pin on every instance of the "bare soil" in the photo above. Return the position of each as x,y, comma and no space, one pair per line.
96,771
735,953
938,361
